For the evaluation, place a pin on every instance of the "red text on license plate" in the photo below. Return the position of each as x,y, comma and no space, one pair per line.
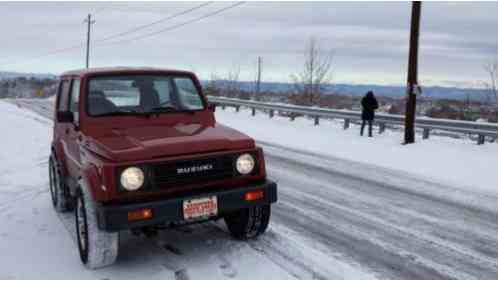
200,208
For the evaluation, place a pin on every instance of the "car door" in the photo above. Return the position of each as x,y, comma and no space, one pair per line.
73,133
60,128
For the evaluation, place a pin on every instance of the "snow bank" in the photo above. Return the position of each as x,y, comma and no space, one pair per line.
456,162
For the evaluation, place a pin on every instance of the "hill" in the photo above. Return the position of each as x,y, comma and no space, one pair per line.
6,75
435,92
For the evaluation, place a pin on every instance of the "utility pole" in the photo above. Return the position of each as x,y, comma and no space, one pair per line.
412,86
89,22
258,81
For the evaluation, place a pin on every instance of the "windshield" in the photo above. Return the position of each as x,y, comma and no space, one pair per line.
142,94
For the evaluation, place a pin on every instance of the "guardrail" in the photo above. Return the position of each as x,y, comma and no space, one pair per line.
481,130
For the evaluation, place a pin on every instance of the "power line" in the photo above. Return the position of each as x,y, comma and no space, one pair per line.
101,8
107,38
74,47
62,50
178,25
98,10
139,28
81,45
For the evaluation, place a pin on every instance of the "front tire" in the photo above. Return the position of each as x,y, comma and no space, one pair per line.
97,248
60,201
248,223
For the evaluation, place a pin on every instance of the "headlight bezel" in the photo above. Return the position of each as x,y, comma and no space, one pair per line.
255,166
144,178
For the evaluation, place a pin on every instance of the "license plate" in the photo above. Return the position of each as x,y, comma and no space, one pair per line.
200,208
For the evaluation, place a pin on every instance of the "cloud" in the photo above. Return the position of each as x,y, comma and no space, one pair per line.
369,39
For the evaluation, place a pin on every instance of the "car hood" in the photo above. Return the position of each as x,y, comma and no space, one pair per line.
148,142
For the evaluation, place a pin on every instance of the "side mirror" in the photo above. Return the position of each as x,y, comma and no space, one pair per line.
212,107
65,117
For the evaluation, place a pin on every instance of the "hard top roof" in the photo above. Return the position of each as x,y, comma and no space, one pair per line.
120,70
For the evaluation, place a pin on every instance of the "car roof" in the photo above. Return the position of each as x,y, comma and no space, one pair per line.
122,70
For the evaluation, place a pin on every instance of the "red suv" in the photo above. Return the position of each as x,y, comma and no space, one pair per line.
140,149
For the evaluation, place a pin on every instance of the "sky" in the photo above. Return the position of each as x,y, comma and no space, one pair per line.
368,40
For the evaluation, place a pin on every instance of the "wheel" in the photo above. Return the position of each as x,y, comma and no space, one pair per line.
97,248
60,201
248,223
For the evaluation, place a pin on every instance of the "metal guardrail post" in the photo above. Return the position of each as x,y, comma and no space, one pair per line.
292,117
382,127
223,106
272,113
237,108
425,134
253,111
481,139
317,120
346,124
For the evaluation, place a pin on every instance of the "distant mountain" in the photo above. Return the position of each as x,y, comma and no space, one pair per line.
435,92
14,75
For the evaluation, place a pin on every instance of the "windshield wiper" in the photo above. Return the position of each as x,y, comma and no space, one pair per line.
162,109
123,113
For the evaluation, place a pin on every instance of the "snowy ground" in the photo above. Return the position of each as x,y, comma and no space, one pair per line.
35,242
336,218
456,162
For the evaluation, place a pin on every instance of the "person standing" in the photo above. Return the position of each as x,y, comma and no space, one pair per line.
369,104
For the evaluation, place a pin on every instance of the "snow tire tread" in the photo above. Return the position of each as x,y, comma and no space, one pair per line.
102,246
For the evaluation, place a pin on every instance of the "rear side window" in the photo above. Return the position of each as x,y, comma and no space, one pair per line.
75,96
63,95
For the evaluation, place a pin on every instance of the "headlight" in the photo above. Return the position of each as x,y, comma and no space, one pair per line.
245,164
132,178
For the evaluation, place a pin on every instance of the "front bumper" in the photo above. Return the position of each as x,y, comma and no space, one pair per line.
115,218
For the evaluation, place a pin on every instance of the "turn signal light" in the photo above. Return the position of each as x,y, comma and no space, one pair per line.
142,214
254,195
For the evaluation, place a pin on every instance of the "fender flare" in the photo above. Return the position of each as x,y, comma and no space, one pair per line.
62,163
91,181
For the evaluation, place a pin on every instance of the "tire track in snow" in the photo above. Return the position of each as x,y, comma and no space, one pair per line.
412,237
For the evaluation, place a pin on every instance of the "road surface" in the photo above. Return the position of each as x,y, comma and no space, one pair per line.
334,219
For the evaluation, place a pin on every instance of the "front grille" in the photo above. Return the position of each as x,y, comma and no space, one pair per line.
195,171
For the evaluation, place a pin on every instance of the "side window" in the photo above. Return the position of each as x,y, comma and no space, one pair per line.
63,95
188,94
75,100
75,96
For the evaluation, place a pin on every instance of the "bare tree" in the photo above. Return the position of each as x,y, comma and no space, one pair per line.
492,70
213,88
317,72
231,86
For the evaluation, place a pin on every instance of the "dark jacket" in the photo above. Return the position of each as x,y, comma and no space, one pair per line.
369,104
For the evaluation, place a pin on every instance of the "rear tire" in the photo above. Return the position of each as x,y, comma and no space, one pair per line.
60,199
97,248
248,223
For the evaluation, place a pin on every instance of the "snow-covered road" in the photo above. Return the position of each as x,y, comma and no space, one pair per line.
335,218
